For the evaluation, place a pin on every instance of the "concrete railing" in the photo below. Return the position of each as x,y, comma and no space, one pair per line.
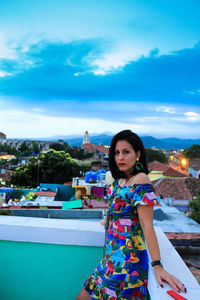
79,237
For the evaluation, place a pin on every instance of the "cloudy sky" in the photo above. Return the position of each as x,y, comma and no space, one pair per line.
67,66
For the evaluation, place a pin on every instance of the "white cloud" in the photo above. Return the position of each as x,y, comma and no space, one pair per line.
142,118
110,62
151,118
166,109
23,125
99,72
119,56
195,92
7,52
192,116
4,74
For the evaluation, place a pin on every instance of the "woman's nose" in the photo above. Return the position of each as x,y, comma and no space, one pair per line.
121,156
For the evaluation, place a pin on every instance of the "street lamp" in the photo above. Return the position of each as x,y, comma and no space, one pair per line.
183,163
38,173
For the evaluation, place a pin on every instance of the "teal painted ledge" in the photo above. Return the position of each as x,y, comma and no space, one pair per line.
34,271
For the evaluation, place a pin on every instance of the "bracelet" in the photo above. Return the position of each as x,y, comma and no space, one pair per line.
156,263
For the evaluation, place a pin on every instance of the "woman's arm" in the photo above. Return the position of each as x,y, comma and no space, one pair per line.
145,214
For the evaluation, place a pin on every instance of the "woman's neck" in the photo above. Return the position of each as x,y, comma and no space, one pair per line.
129,176
125,181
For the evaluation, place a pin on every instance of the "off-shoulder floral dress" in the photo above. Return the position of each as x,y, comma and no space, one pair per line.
123,271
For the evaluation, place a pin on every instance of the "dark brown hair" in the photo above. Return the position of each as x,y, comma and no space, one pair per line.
136,143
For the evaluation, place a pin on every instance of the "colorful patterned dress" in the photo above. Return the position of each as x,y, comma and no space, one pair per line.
123,271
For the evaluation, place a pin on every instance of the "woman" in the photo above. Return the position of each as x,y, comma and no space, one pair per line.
123,271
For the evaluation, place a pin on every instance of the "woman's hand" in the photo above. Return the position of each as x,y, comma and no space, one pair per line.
103,222
162,275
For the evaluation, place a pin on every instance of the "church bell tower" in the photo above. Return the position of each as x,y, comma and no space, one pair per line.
86,138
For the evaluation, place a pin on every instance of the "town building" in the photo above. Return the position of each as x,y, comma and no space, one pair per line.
2,136
99,153
159,170
16,143
194,167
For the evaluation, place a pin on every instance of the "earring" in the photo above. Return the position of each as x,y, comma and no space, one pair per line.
139,166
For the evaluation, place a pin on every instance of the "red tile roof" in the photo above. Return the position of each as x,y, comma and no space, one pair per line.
168,170
100,148
183,235
193,184
157,166
45,194
88,146
175,166
171,172
178,188
191,239
195,163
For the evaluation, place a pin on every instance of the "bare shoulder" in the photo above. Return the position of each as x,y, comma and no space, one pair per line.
141,178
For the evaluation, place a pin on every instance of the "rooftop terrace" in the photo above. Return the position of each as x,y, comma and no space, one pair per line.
51,258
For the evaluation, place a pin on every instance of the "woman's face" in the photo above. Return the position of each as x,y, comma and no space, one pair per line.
125,157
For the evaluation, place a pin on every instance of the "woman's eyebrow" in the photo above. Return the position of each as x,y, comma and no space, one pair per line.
123,149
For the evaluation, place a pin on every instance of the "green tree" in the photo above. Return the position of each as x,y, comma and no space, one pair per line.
2,162
14,161
58,147
57,167
24,150
6,148
84,167
35,148
192,152
50,167
75,152
156,155
23,147
29,196
195,208
17,194
25,175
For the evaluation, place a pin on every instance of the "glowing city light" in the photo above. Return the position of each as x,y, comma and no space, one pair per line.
183,162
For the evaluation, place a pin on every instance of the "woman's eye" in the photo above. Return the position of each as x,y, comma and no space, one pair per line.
126,152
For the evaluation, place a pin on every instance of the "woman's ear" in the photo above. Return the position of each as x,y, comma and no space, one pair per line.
138,154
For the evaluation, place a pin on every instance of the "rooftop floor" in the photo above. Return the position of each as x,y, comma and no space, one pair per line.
170,219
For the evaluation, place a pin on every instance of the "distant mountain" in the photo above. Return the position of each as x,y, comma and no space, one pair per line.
106,137
61,137
176,143
105,133
149,141
96,139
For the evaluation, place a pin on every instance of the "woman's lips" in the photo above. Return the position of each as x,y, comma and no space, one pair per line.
121,165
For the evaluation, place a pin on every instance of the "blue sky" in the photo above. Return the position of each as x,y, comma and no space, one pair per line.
71,66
